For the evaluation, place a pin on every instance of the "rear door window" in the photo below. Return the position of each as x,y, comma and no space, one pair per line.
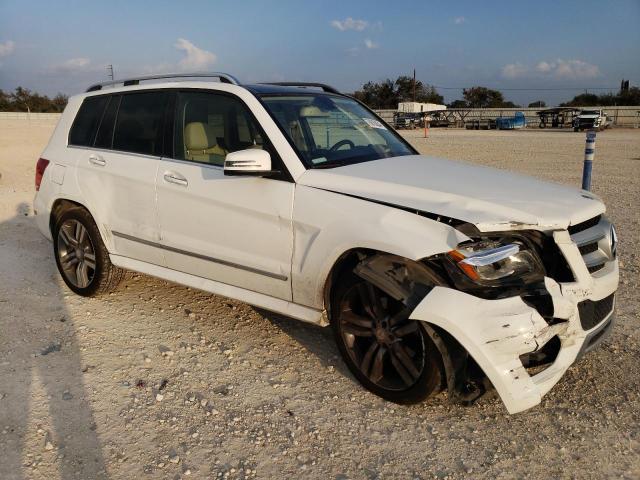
139,123
83,130
104,138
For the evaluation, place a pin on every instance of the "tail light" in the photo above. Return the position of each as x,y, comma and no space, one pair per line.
41,166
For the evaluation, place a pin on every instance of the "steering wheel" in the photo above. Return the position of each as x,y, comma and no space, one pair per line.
341,143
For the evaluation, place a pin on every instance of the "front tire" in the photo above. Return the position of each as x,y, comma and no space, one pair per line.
389,354
81,257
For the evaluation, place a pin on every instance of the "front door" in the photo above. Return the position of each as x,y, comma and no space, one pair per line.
234,230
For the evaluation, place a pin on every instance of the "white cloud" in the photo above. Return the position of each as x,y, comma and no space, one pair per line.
514,70
544,67
370,44
79,62
350,24
195,58
73,65
459,20
560,69
568,69
7,48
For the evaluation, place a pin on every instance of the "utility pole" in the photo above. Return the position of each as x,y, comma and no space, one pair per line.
110,71
414,85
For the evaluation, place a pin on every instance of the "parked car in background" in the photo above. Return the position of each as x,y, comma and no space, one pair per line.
438,119
402,120
557,117
298,199
591,119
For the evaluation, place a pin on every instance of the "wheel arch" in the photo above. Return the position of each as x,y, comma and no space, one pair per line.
354,257
63,204
59,206
461,375
348,259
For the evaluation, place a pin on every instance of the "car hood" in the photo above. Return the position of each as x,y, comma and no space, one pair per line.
491,199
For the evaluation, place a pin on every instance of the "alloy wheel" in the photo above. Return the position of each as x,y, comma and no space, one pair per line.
76,253
387,347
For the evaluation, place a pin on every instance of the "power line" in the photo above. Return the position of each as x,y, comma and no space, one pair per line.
534,89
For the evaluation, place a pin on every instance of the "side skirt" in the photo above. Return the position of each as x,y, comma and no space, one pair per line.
290,309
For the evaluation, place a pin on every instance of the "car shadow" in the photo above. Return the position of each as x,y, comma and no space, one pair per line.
46,416
317,340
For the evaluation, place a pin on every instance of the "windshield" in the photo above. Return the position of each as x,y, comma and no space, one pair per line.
331,131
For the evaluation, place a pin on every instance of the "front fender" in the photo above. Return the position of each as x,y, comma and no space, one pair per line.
328,224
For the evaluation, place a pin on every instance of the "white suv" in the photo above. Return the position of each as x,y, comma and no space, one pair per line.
298,199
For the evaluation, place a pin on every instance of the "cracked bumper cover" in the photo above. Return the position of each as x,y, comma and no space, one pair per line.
497,332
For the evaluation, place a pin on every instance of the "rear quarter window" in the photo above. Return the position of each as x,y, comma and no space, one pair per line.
83,130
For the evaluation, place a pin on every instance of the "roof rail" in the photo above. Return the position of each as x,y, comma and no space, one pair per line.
323,86
223,77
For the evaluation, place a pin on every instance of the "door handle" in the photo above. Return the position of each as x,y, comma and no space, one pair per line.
174,177
97,160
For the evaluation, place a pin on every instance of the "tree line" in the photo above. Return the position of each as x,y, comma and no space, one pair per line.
377,95
388,93
24,100
630,96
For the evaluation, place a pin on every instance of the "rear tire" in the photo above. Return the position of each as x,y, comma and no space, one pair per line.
389,354
81,257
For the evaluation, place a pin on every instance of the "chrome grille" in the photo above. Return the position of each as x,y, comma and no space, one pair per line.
593,238
588,248
579,227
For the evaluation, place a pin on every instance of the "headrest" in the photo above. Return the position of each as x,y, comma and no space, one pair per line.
312,111
195,137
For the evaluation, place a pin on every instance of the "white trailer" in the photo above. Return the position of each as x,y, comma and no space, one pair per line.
417,107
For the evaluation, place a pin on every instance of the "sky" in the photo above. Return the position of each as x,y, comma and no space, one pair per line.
543,50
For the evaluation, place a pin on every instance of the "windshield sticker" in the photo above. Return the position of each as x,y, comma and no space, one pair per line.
373,123
318,160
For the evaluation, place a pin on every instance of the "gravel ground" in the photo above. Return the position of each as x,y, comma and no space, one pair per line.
162,381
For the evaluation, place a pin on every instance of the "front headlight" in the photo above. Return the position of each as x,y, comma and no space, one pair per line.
492,262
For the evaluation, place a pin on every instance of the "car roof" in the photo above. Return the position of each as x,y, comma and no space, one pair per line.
225,78
273,89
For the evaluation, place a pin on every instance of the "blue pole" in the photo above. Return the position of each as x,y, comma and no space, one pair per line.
589,153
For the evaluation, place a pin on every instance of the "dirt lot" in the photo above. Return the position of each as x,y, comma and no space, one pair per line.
161,381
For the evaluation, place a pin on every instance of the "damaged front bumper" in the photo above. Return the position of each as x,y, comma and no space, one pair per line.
497,333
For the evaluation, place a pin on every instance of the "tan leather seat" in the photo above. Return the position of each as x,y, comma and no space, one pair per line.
201,144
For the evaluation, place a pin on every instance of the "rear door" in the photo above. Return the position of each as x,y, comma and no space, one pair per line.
234,230
117,171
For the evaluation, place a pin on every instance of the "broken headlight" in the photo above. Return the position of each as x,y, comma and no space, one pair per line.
496,262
